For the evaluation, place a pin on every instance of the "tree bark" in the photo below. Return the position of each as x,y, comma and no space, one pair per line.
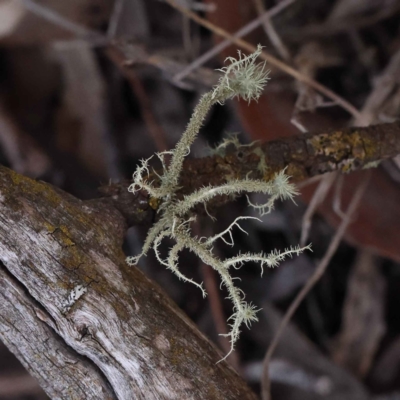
82,321
303,156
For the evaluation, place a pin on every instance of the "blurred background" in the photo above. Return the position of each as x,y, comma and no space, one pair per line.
89,87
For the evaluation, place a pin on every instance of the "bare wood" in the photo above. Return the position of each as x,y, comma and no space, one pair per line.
61,372
64,268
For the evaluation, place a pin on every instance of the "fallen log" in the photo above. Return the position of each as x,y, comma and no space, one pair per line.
80,320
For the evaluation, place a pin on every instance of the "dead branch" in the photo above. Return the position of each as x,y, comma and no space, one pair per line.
304,156
83,322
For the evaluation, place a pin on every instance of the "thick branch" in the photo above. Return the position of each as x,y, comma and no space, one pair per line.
58,368
304,156
122,338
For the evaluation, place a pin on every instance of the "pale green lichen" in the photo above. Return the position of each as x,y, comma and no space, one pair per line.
246,79
231,140
372,164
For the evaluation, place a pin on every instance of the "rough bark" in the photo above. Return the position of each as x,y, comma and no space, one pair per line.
62,373
122,338
303,156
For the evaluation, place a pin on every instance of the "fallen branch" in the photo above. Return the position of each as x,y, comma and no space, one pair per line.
303,156
82,321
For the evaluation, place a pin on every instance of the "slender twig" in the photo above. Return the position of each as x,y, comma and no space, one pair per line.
115,18
304,156
337,200
271,32
319,271
355,22
310,181
98,39
270,59
91,36
383,88
318,197
227,42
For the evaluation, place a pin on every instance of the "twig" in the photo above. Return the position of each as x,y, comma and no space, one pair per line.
343,25
317,199
270,59
271,32
202,78
93,37
227,42
114,19
97,39
304,156
383,87
310,181
319,271
337,201
295,121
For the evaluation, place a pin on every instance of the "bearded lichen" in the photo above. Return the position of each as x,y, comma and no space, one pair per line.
243,78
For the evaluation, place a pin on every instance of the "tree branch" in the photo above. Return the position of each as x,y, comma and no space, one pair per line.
80,319
304,156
